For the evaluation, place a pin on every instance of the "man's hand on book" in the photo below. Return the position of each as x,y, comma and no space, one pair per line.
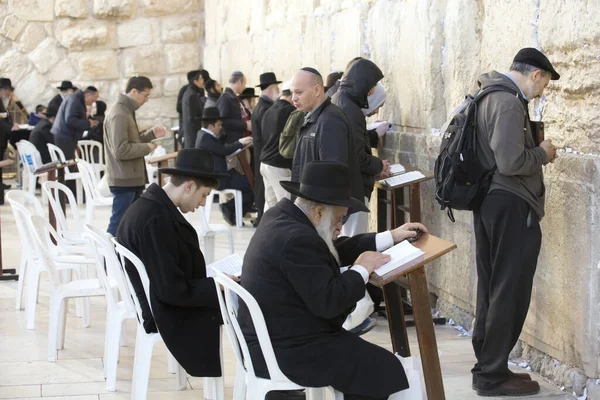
406,231
371,260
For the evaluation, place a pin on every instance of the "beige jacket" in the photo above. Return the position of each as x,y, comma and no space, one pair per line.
124,147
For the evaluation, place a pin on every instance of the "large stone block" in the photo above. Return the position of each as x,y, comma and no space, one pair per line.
181,29
61,71
32,10
71,8
146,60
173,84
115,8
211,25
212,61
12,26
157,8
96,65
138,32
162,107
15,65
238,20
555,33
46,55
350,47
33,89
182,58
79,35
32,36
317,44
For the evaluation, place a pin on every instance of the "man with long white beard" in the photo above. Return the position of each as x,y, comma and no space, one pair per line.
292,268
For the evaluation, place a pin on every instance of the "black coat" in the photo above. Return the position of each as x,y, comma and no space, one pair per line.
352,97
56,101
231,112
179,108
327,135
257,131
184,301
6,125
193,106
71,120
305,300
218,148
273,123
40,136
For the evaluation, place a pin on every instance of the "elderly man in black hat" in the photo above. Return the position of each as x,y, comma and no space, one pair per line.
183,303
211,140
269,86
66,88
292,268
41,135
231,109
507,224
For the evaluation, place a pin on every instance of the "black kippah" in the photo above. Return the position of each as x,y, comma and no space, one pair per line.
312,71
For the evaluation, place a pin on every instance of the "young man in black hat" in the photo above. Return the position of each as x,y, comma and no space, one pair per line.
292,268
192,106
66,88
269,86
41,135
230,109
185,308
507,224
210,139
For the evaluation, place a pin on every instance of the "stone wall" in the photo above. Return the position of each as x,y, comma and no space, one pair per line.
431,52
101,43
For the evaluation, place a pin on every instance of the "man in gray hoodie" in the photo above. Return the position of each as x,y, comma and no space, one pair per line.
507,228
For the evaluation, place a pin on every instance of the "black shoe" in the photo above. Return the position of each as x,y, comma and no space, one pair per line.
511,387
286,395
6,186
228,215
519,375
364,326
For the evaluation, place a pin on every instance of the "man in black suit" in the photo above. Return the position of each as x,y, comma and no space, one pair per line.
66,88
41,134
230,108
192,106
211,140
292,268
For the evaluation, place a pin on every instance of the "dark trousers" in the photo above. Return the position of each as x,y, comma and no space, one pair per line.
508,239
259,185
122,200
67,145
237,181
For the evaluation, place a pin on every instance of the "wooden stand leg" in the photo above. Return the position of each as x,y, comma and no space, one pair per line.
415,202
426,334
382,203
51,216
161,177
395,316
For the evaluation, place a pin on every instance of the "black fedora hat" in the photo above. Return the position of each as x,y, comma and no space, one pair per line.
6,83
325,182
248,93
211,114
194,163
66,85
267,79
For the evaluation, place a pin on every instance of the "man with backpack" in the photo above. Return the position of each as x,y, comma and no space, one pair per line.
507,222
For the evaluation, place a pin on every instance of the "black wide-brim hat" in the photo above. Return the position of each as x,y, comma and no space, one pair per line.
325,182
6,83
267,79
194,163
65,85
210,114
248,93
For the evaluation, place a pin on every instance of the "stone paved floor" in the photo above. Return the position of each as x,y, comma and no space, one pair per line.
25,372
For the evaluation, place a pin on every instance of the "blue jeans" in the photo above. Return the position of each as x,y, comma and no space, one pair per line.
121,202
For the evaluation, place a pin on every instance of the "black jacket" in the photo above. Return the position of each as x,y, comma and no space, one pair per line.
218,148
229,108
40,136
258,141
6,125
71,120
56,101
192,107
184,301
273,123
327,135
305,299
352,97
179,108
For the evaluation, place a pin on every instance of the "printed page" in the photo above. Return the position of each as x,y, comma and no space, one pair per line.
231,265
401,254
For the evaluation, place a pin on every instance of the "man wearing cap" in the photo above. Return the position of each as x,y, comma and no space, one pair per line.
292,268
269,86
41,135
183,302
230,109
210,139
507,225
66,88
192,107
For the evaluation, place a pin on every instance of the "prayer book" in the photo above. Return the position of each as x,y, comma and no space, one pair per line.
403,179
396,169
376,125
231,265
401,254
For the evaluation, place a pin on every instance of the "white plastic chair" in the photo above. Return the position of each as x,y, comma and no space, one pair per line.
247,384
60,293
93,198
87,148
71,233
239,210
144,342
152,169
208,232
57,155
32,160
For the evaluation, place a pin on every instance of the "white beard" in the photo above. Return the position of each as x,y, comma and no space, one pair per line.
325,232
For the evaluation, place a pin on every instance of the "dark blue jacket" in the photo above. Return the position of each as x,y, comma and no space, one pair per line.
218,148
71,120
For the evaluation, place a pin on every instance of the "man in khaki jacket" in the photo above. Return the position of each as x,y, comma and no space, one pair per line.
125,148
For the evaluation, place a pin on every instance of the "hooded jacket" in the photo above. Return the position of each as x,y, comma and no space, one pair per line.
507,142
352,97
71,120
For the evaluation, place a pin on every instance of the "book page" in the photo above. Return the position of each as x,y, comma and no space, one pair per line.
231,265
401,254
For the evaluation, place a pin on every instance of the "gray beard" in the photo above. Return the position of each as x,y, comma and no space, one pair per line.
324,231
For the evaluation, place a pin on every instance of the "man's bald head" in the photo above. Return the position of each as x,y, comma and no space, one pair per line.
308,91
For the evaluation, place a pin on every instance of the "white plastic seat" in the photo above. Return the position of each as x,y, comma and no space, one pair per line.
239,210
43,235
32,160
71,233
88,151
93,198
57,155
247,384
152,169
144,342
208,232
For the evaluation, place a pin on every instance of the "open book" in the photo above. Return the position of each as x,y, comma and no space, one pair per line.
231,265
401,254
397,169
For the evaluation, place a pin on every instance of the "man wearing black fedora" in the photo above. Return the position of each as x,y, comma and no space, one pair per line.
269,86
211,140
185,308
292,268
7,122
66,88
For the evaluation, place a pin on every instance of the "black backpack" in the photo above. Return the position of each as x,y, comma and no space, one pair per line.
461,181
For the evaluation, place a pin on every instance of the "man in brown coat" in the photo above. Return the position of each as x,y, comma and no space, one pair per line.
125,148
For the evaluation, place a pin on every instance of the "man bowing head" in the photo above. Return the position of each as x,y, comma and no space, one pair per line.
292,268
